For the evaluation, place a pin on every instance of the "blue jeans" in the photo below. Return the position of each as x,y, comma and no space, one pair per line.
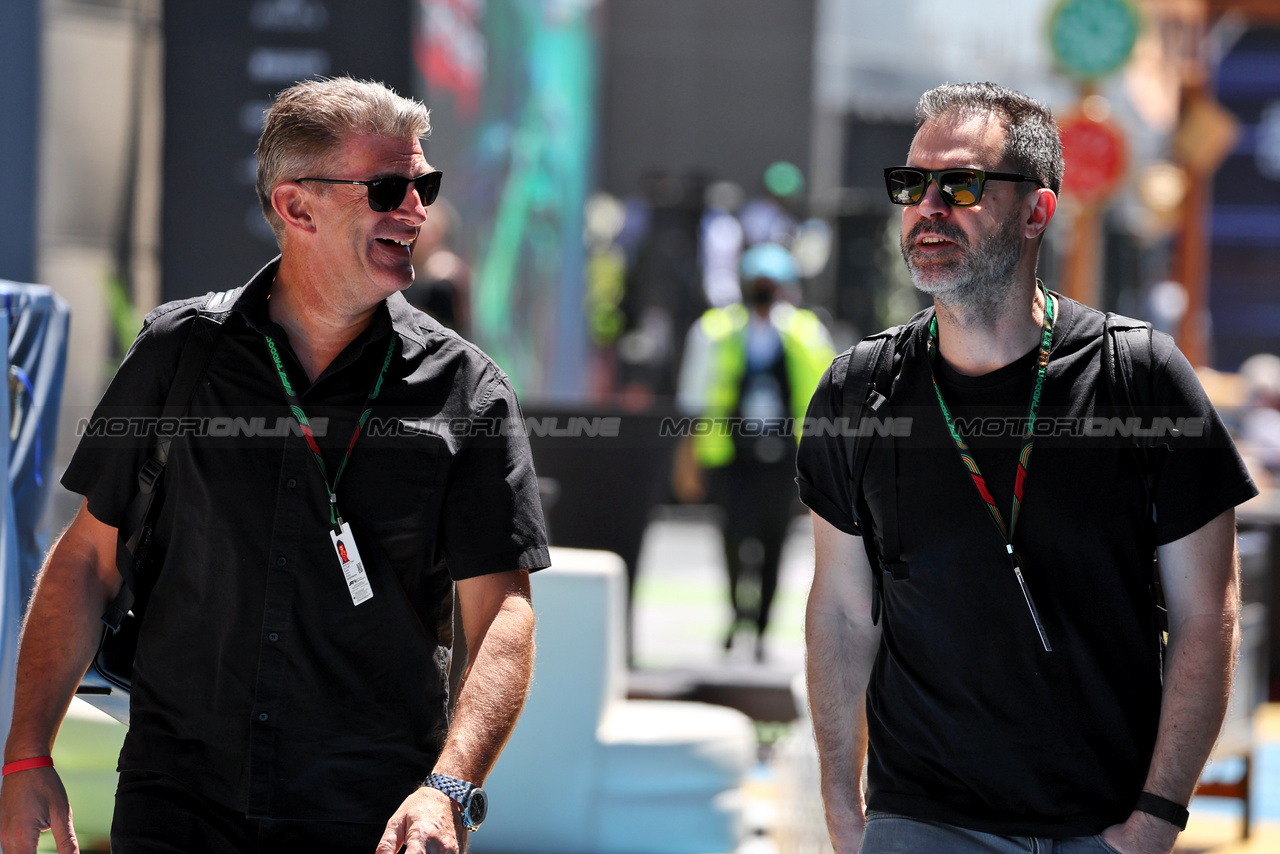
888,833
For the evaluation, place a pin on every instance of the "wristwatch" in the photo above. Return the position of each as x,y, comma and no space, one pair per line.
471,799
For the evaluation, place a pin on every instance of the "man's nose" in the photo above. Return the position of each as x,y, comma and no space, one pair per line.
932,203
411,206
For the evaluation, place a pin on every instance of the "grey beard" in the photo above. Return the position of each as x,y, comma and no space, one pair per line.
974,289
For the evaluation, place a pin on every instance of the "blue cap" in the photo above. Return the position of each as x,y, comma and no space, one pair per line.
769,261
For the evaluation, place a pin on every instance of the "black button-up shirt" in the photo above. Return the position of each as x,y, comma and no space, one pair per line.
257,680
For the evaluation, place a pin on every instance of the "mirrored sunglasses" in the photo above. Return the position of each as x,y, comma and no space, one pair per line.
961,188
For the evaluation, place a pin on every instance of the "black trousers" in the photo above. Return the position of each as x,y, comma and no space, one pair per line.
757,497
156,814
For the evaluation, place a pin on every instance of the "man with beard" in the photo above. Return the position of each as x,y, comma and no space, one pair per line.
1003,671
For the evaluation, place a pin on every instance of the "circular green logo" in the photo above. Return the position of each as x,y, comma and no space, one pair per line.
1091,38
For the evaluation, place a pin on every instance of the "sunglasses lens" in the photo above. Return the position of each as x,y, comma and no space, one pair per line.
961,187
428,187
906,186
386,194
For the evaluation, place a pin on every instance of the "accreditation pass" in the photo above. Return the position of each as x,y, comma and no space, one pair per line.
344,545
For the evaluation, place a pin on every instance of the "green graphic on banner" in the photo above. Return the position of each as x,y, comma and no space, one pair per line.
1092,38
511,86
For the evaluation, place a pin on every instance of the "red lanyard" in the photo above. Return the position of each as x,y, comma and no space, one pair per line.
335,518
1024,455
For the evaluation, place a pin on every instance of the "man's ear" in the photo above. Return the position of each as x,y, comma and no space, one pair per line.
1041,204
292,204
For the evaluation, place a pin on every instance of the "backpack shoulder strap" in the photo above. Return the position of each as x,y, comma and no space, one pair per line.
1128,368
1128,365
867,382
202,340
1127,358
872,368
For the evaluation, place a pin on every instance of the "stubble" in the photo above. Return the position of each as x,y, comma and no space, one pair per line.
976,287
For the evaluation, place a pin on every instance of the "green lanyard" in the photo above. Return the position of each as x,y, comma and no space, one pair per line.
335,518
1024,455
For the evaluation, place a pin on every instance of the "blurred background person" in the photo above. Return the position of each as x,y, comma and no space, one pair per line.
442,284
663,287
751,367
770,216
1260,423
720,243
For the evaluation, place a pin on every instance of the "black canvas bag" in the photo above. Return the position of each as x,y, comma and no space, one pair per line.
107,682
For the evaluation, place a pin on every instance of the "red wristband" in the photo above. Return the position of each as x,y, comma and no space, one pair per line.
26,764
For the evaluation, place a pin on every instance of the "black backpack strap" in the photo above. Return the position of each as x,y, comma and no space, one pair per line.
1128,364
866,391
867,387
132,535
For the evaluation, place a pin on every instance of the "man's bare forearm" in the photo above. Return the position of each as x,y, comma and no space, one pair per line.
841,644
498,619
1197,686
837,668
492,693
60,633
1200,578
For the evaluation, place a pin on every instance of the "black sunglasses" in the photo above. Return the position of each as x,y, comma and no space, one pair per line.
961,188
386,194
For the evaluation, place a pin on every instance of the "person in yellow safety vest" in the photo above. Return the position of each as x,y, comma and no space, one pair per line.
748,372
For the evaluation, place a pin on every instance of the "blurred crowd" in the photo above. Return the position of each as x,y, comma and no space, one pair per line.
1257,427
658,259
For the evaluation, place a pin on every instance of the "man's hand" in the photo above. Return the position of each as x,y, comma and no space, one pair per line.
426,823
30,802
1141,834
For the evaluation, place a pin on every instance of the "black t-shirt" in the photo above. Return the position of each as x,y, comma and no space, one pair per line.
971,721
257,679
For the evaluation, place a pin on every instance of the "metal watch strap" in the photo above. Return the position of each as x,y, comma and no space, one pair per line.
470,798
1164,809
456,789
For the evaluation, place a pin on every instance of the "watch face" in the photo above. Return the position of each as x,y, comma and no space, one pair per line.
477,807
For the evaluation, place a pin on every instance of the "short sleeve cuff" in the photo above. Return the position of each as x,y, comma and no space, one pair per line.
1177,527
533,559
826,508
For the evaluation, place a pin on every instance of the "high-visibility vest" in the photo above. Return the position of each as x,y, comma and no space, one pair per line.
806,350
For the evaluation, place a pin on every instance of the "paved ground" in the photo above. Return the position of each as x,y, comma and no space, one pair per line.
682,603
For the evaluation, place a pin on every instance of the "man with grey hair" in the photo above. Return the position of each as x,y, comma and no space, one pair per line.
291,684
983,628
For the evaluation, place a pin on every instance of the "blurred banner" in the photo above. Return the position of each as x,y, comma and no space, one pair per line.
511,86
33,348
224,62
19,112
1244,301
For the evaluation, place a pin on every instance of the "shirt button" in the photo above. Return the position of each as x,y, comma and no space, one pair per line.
273,637
282,560
291,483
262,717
